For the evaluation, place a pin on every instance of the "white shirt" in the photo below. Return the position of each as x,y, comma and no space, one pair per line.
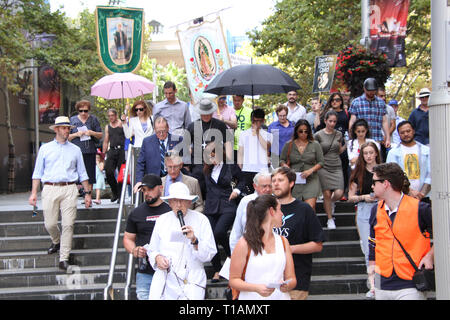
411,164
186,263
255,156
134,128
353,149
240,220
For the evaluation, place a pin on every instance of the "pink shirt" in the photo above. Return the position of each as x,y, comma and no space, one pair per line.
228,113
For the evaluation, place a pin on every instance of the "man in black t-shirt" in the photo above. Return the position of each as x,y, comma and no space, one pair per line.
138,232
300,226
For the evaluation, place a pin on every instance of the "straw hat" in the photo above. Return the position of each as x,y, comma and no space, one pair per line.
424,92
61,121
179,190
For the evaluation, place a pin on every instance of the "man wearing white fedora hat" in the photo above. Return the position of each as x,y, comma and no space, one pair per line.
182,241
59,166
419,117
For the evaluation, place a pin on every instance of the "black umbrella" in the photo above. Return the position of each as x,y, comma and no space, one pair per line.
252,79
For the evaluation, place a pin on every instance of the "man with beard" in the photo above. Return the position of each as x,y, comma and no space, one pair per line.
300,226
373,109
295,110
138,232
414,158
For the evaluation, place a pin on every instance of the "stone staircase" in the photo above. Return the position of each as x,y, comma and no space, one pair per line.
28,272
339,271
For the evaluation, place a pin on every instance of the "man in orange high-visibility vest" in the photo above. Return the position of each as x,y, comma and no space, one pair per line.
410,221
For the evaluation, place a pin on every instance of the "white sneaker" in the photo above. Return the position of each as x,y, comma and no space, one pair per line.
370,294
331,224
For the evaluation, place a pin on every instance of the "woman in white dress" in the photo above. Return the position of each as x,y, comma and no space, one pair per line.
269,272
140,123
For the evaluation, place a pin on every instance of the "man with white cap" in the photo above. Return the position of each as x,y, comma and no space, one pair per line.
419,117
59,166
182,241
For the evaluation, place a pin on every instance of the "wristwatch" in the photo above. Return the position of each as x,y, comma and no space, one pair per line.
194,243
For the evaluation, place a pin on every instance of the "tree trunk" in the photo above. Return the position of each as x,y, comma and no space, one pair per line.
11,147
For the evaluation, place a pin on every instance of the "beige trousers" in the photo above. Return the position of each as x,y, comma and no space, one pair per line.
54,199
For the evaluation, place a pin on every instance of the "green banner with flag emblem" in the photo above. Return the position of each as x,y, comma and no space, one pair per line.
120,33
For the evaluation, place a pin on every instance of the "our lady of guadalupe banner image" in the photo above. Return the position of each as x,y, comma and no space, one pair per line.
205,55
388,20
120,34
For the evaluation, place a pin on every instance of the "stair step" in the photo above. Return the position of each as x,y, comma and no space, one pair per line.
75,276
82,292
37,228
80,241
39,259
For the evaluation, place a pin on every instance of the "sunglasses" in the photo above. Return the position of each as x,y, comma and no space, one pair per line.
139,109
377,180
302,131
83,111
336,100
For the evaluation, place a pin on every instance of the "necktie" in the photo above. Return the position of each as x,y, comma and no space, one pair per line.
162,148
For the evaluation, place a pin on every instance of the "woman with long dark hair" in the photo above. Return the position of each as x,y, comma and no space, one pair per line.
331,176
265,256
360,192
359,134
221,198
305,156
336,103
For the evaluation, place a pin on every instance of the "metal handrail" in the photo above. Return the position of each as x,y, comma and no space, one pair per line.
109,288
130,264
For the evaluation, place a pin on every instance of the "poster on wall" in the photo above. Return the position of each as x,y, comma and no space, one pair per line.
324,73
49,94
205,55
388,20
120,34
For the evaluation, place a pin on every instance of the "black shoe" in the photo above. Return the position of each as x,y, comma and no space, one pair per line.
53,248
64,265
114,198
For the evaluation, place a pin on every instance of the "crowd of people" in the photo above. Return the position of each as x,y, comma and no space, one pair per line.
230,179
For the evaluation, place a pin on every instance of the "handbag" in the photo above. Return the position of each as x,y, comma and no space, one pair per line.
423,279
121,173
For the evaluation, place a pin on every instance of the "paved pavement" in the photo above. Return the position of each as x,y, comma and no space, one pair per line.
19,202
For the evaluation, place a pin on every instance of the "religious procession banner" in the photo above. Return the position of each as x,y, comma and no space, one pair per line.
205,55
388,29
120,33
324,73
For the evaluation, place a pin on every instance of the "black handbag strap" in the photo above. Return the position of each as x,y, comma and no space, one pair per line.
401,246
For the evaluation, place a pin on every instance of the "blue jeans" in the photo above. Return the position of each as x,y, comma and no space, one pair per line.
362,222
143,282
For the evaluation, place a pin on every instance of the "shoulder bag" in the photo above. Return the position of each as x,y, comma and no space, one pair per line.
423,279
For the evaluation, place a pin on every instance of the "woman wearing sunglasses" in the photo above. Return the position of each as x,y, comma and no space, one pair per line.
86,134
305,157
140,123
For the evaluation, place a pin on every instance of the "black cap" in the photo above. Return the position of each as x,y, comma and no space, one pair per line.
151,181
370,84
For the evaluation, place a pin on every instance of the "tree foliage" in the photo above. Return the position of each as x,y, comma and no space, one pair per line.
298,31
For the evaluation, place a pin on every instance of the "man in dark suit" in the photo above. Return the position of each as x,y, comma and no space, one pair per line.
153,150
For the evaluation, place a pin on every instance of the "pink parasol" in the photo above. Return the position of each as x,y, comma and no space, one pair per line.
122,85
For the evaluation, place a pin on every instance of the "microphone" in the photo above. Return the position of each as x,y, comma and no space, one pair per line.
180,217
